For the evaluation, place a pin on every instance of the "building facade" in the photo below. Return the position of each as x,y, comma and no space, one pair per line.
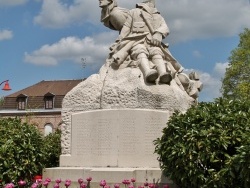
39,104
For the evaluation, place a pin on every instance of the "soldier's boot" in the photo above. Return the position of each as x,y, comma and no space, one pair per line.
150,75
165,76
193,90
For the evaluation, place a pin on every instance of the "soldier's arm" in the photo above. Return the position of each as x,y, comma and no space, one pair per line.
163,29
126,27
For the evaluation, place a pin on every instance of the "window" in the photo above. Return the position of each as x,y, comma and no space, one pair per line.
21,102
48,102
48,128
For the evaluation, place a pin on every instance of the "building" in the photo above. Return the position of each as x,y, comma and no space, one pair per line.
39,104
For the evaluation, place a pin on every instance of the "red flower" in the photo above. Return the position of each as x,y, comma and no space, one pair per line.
166,186
151,185
83,185
133,180
126,182
48,179
56,185
80,181
45,183
89,179
117,186
39,181
67,183
34,185
58,180
103,183
146,184
22,183
37,177
9,185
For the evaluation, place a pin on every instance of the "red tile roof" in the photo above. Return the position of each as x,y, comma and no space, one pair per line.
57,87
36,93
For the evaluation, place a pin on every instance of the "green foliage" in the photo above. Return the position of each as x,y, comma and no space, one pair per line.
208,146
20,150
236,83
24,152
52,149
1,101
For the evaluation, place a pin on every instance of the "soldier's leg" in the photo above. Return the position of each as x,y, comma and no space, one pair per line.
140,53
150,75
164,75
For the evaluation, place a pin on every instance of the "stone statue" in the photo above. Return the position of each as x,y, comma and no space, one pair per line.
141,31
142,43
139,86
112,16
191,84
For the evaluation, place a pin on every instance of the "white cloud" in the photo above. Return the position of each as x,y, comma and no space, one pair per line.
198,19
197,54
12,2
56,14
220,69
193,19
211,87
5,34
93,50
212,82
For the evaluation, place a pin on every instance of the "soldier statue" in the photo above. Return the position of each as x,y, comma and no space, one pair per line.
141,31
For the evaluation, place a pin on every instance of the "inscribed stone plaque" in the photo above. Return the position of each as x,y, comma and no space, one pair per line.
115,138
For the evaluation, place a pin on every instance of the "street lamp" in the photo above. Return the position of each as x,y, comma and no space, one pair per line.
6,86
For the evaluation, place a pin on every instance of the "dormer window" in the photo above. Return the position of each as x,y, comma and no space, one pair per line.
49,100
21,102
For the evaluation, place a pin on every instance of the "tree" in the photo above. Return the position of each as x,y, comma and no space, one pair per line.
24,152
236,83
208,146
52,149
21,156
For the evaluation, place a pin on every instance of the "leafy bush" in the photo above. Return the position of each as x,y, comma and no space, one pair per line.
208,146
20,150
52,149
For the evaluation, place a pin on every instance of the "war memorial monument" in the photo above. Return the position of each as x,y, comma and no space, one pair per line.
111,119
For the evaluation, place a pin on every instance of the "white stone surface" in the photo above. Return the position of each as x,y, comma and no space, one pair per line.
115,138
111,175
119,89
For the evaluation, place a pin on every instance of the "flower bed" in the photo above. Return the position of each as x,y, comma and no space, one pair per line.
39,183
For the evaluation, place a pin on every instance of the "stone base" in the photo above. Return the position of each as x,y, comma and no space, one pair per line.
111,175
119,89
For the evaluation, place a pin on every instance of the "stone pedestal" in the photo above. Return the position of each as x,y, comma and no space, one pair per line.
113,145
110,121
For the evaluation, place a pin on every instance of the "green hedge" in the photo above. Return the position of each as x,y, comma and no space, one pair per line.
52,149
21,156
24,152
208,146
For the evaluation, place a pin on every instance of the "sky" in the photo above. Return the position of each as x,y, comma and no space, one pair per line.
64,39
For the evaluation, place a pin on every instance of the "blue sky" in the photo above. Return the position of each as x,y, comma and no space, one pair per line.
46,39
